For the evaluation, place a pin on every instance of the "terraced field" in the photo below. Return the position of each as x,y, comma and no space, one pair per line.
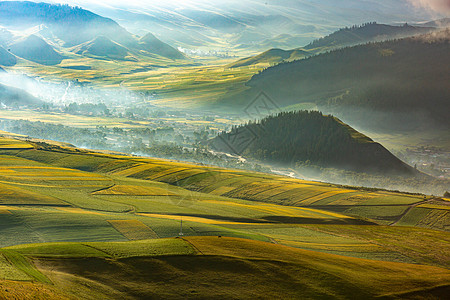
58,202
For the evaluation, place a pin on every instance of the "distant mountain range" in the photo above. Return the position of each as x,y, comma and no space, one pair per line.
345,37
59,28
393,85
254,25
294,139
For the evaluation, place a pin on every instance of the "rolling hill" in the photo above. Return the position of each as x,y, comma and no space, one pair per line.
149,43
35,49
103,47
97,225
387,86
294,138
6,58
272,56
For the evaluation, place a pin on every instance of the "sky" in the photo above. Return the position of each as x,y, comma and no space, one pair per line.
441,7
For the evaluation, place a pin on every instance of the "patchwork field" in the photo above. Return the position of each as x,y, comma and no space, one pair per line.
176,83
59,205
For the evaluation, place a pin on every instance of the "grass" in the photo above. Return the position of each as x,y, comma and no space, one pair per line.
53,250
10,194
203,267
90,223
130,190
9,272
22,264
421,245
133,229
160,247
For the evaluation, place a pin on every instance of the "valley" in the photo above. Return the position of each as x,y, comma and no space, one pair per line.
229,150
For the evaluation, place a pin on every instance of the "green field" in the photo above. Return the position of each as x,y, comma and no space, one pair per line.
65,210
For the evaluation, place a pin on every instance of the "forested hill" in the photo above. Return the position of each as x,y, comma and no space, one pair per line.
309,137
400,84
369,32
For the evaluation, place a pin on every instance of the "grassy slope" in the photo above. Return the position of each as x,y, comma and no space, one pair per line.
213,202
249,267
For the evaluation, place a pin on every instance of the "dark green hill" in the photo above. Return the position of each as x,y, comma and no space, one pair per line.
394,85
14,97
6,58
272,56
295,138
35,49
370,32
151,44
103,47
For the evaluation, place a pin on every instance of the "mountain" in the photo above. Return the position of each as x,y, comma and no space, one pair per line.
272,56
14,97
253,25
151,44
35,49
6,58
103,47
388,86
369,32
73,25
294,138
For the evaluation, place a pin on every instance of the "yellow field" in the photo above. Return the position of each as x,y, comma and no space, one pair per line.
322,196
435,206
6,143
333,247
75,210
15,195
131,190
196,219
133,229
133,170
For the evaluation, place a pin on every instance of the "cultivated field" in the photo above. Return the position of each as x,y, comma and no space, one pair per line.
59,204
